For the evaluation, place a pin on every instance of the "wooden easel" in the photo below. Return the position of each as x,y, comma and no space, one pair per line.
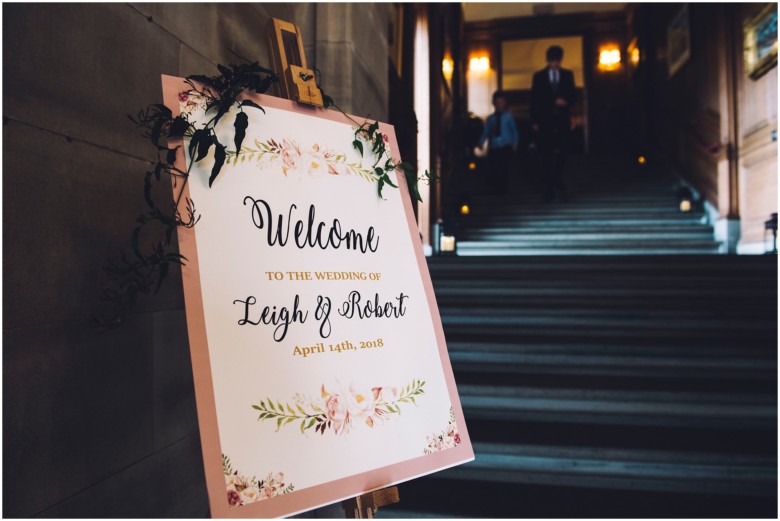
366,505
297,82
285,49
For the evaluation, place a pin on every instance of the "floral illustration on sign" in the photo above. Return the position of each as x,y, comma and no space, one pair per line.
339,408
446,439
294,158
242,490
190,101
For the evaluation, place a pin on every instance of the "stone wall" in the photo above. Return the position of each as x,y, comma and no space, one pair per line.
709,115
757,137
685,107
104,424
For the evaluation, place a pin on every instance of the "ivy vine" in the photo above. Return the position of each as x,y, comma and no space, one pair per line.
145,269
369,133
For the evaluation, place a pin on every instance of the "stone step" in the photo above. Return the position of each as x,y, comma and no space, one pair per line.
398,512
753,271
575,301
671,288
739,265
601,329
619,407
604,241
490,238
500,314
608,468
628,319
661,197
645,348
577,282
584,227
610,205
536,249
630,361
573,221
635,212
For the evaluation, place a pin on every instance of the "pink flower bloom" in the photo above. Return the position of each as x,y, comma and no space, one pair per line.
234,498
183,96
336,410
385,138
290,156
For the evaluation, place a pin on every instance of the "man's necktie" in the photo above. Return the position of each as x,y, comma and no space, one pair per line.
497,125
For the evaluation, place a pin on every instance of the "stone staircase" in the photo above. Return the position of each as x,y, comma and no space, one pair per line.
636,216
609,386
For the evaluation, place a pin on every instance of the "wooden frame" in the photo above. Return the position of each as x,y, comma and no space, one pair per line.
760,43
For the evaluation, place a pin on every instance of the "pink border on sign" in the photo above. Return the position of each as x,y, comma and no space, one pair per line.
333,491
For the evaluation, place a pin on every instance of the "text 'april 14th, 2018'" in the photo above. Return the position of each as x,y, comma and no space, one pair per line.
344,346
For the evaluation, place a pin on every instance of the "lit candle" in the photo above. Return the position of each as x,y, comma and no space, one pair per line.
447,243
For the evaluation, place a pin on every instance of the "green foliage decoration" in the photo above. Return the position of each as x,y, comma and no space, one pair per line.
315,414
369,133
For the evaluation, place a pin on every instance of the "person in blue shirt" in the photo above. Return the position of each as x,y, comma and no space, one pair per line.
502,137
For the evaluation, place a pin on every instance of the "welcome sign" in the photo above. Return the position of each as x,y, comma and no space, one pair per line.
320,366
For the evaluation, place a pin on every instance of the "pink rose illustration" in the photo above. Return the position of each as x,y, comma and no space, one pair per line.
336,411
288,159
242,490
447,439
290,156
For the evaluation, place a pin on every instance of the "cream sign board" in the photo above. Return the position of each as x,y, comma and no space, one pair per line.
320,366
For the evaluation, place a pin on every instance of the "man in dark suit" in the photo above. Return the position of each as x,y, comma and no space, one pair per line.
552,94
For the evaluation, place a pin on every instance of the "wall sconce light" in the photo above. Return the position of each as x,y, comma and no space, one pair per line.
609,57
447,67
634,57
472,165
465,209
770,235
479,64
641,160
633,53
